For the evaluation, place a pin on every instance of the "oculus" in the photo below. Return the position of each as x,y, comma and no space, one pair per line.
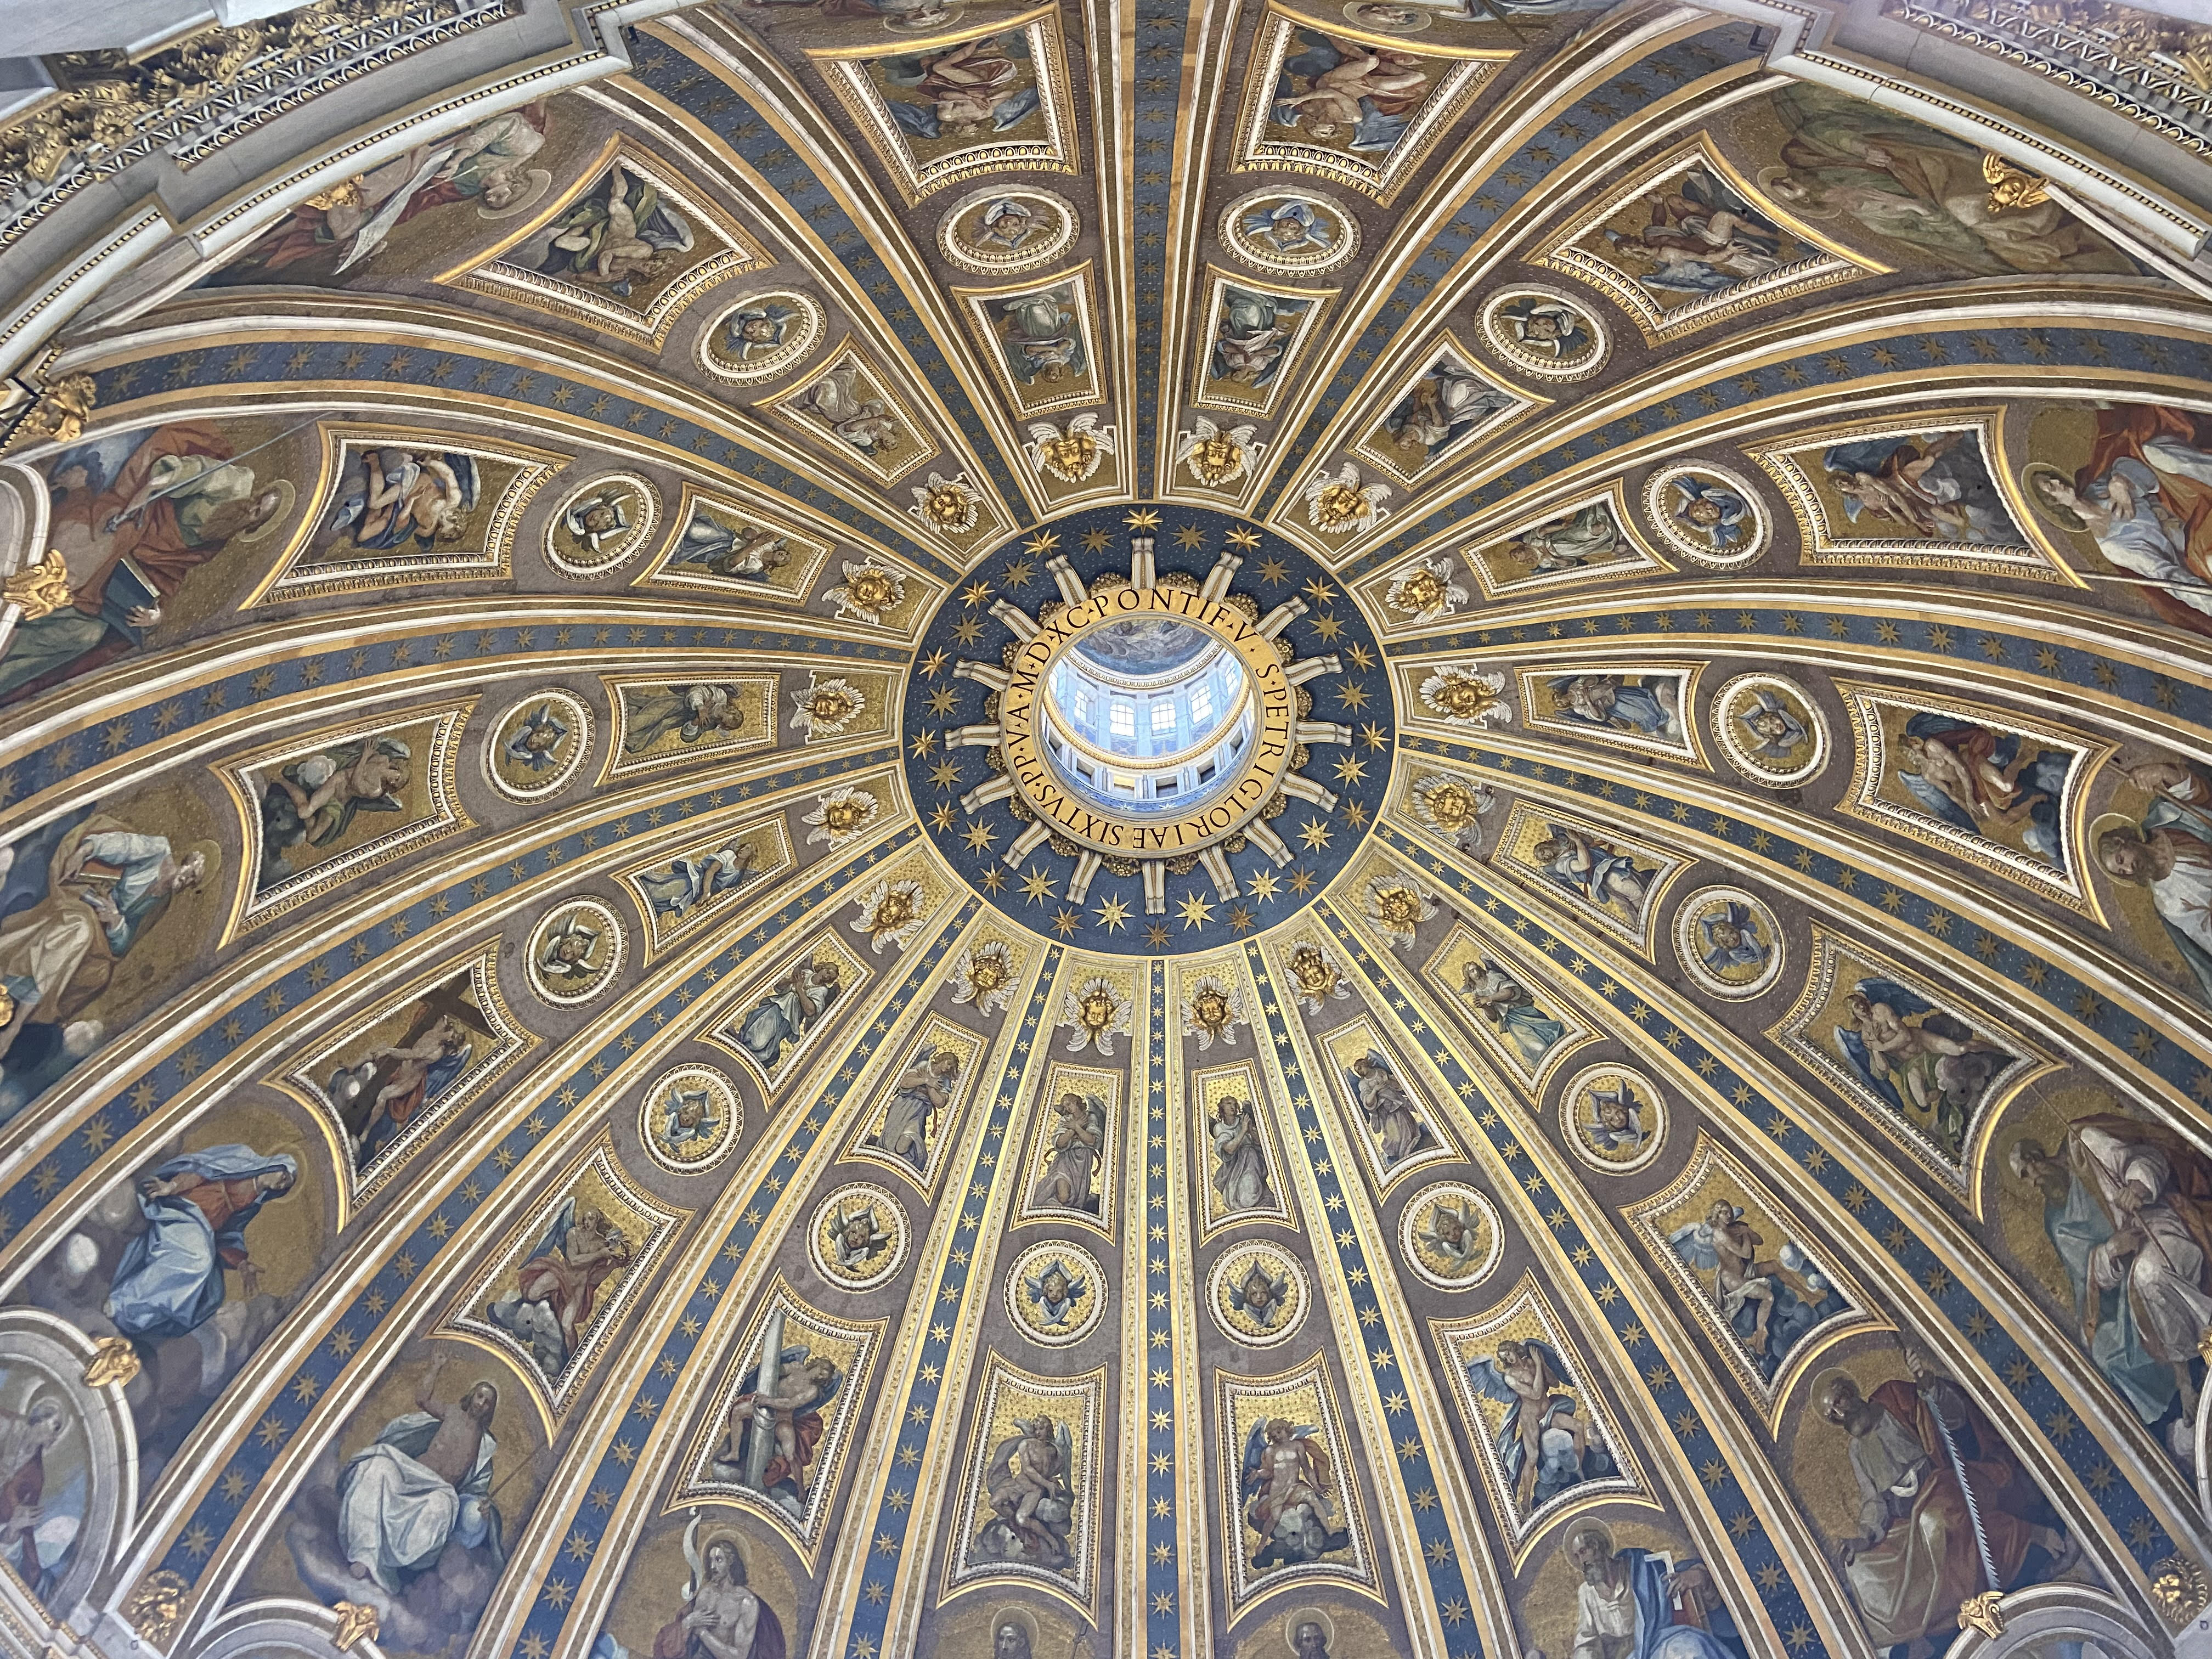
1707,515
1449,1235
689,1118
1770,731
1055,1293
575,952
859,1238
1728,943
601,523
763,336
1258,1295
1007,230
533,749
1290,232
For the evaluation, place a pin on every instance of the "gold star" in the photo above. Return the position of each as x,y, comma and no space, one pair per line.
1066,922
1315,834
1190,536
1350,769
1196,912
974,594
1037,885
967,630
1263,884
1156,936
1325,627
1361,656
994,880
1319,591
1020,574
1354,696
941,700
941,818
1145,518
1113,913
934,663
945,774
1094,541
1043,542
979,837
1273,570
1301,881
1244,536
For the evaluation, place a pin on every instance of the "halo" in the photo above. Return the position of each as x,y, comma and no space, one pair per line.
2095,831
1307,1615
211,851
1013,1613
1591,1523
1825,1379
2064,517
540,182
287,497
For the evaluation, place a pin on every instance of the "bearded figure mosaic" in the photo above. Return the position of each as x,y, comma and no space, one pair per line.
922,829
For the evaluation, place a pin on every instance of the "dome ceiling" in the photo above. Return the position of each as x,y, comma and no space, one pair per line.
599,1059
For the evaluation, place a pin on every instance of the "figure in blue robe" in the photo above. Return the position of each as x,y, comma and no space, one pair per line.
198,1207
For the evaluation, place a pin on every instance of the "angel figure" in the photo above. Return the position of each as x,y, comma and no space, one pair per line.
1709,511
1392,1117
1510,1008
1594,869
1455,1233
759,329
1261,1296
1032,1501
1285,1489
536,744
745,552
1984,782
922,1092
1545,1443
1338,502
1290,227
1918,1058
857,1238
390,498
840,402
1240,1159
1771,730
1215,456
617,232
598,518
692,881
1615,1122
1055,1293
568,950
557,1287
1072,452
773,1428
973,86
687,1119
1732,939
1362,93
313,801
1077,1143
1768,1303
380,1094
722,1618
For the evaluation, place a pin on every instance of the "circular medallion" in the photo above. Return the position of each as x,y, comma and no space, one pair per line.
689,1118
762,336
1290,231
1613,1118
1769,730
1148,691
1055,1293
859,1238
1450,1236
1552,335
601,523
537,745
1728,943
1707,515
574,951
1006,228
1257,1294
